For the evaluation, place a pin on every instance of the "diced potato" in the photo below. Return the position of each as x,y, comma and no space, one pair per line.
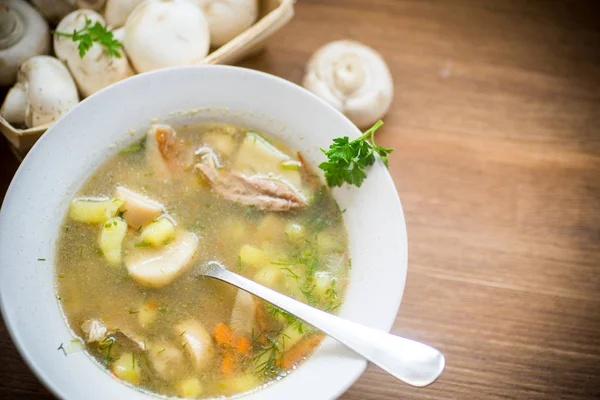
270,227
253,256
220,142
126,368
323,282
94,211
327,242
257,155
159,232
190,388
147,314
111,239
238,383
269,276
289,337
273,250
137,209
294,232
290,284
234,230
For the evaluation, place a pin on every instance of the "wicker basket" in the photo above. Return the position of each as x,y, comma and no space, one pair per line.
274,15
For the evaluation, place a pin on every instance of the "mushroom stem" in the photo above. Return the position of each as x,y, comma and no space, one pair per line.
15,105
11,27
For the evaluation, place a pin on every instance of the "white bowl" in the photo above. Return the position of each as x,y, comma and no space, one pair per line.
59,163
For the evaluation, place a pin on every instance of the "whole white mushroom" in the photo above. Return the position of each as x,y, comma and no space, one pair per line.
166,33
23,34
96,69
44,91
228,18
117,11
353,78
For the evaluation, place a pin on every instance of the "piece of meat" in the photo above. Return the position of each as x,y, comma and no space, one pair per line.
95,330
256,191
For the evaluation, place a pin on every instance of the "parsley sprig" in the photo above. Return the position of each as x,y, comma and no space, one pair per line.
347,160
94,32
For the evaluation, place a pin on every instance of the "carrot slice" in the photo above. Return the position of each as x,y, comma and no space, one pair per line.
300,351
243,345
229,364
309,177
224,335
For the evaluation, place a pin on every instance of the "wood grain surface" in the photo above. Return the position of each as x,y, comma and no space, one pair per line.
496,126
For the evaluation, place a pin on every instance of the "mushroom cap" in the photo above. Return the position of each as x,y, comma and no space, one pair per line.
35,39
199,347
157,267
117,11
243,313
353,78
96,69
44,91
167,360
166,33
228,18
139,210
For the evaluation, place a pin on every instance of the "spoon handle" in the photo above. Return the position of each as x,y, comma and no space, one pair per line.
410,361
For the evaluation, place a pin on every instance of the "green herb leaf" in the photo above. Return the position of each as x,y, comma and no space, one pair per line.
94,32
347,160
134,148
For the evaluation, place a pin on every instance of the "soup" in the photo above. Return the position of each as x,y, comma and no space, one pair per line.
139,231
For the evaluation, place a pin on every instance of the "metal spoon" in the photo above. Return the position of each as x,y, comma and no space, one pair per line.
410,361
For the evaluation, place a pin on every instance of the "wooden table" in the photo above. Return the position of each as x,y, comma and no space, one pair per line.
496,126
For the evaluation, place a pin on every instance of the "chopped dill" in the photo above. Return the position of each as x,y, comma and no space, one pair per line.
290,273
269,356
291,320
133,312
41,259
142,244
160,351
61,347
107,344
134,148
